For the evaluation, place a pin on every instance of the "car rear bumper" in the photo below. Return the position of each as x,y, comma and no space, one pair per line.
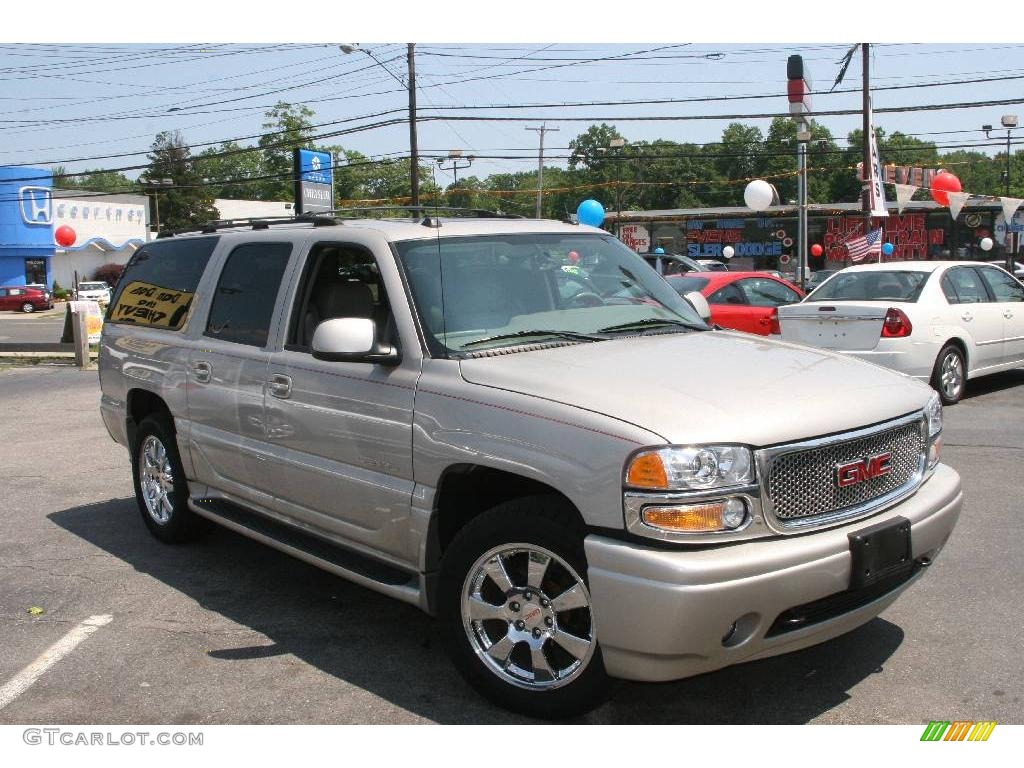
667,614
916,359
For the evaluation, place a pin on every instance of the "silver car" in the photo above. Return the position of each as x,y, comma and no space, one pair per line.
519,427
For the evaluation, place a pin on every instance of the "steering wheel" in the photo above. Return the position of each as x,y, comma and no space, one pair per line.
586,299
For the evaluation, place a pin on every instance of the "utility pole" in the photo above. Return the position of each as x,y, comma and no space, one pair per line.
540,163
413,150
865,193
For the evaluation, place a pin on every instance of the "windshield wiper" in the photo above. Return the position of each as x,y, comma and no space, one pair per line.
652,322
522,334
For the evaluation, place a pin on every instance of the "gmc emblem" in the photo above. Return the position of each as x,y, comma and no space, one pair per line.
854,472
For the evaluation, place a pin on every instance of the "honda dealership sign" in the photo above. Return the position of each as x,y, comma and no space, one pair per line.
314,181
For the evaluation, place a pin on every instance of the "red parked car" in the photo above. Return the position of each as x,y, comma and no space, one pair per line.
743,301
21,298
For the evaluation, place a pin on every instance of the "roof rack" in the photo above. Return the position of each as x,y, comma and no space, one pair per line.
479,213
265,222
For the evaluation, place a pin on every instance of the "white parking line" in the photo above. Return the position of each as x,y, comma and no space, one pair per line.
22,681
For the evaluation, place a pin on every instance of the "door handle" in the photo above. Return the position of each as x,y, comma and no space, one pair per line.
202,371
967,316
280,385
1008,315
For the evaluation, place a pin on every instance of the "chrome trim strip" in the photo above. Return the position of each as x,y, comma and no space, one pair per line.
634,503
766,456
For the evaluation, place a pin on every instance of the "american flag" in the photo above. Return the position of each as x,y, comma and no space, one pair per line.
863,246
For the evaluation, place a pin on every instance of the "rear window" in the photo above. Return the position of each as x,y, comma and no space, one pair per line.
159,282
685,285
872,286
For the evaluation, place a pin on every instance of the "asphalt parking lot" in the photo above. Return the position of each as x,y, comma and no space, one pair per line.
43,326
229,631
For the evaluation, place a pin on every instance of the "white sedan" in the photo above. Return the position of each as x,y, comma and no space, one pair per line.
943,322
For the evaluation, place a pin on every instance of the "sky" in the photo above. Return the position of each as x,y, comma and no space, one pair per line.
96,94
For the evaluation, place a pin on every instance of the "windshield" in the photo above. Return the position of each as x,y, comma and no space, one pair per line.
92,286
476,293
871,286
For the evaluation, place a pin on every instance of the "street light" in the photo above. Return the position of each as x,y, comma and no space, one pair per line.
411,86
155,186
1009,122
454,155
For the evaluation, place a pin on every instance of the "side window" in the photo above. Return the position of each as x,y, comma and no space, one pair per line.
339,280
728,294
762,292
967,284
1003,287
243,302
159,282
949,290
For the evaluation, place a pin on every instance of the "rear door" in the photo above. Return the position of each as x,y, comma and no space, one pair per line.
765,295
976,310
730,309
1009,296
228,370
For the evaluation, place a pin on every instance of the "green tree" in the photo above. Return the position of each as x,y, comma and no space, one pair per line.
97,180
186,203
288,127
228,167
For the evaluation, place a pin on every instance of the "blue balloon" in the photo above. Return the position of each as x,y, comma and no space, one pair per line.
888,248
659,249
590,212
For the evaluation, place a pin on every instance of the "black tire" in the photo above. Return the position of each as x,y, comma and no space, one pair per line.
950,363
533,521
181,524
28,307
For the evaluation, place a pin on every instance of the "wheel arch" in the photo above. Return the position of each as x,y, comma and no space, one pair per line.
140,403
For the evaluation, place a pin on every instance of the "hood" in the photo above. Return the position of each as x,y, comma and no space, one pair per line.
708,386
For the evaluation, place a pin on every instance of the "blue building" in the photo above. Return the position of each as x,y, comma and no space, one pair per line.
26,226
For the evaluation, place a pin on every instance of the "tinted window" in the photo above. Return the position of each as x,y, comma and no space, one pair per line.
762,292
685,285
1003,287
949,290
243,302
967,285
872,285
159,281
729,294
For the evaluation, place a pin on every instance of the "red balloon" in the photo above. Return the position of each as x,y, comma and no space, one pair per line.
944,183
65,236
816,250
573,257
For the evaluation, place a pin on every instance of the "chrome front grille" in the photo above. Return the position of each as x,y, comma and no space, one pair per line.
802,481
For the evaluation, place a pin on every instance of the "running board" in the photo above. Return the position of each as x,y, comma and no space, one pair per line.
354,566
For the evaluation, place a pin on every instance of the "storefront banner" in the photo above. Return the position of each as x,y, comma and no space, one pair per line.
1010,206
903,194
956,202
875,188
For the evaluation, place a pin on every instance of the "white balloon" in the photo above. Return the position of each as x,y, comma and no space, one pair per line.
986,243
758,195
728,252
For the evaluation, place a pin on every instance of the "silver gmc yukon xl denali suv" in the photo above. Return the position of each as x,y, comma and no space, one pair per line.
519,427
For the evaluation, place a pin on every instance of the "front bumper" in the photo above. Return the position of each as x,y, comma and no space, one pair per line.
664,614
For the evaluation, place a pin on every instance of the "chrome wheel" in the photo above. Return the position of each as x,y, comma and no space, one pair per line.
156,479
27,307
951,375
528,618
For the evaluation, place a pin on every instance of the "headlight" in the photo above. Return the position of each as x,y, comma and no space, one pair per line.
691,468
934,413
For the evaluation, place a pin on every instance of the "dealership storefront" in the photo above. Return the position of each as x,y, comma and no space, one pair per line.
767,240
49,235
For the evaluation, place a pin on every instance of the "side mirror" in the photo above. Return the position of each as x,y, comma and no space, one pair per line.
352,339
700,304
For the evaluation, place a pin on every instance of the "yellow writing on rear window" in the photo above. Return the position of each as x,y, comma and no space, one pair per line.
152,305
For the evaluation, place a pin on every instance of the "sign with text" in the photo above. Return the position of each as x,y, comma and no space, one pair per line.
148,304
749,238
908,233
93,318
635,237
314,181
